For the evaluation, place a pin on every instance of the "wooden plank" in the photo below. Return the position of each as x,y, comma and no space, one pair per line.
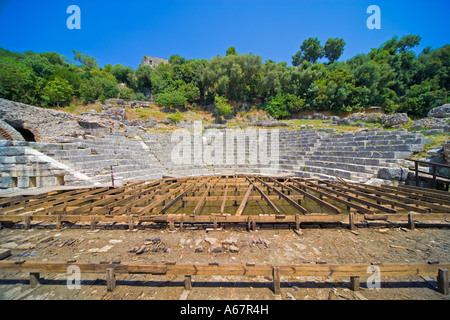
160,200
264,196
243,204
222,207
285,197
336,270
363,192
355,199
409,198
315,199
201,202
337,199
178,198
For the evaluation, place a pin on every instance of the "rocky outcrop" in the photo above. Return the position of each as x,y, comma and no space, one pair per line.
46,125
431,123
396,120
440,112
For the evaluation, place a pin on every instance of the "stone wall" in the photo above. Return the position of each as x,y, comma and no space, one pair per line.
47,125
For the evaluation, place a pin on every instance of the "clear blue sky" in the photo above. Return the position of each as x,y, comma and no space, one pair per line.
124,31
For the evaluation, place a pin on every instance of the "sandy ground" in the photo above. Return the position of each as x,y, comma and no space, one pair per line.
388,245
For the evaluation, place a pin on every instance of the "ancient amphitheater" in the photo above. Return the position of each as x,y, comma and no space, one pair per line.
62,172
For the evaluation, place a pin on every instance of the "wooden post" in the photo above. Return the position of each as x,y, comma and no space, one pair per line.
58,222
351,222
214,223
92,223
34,279
297,222
171,225
181,224
188,282
110,279
411,221
27,223
416,169
276,280
354,283
130,223
434,175
442,281
253,225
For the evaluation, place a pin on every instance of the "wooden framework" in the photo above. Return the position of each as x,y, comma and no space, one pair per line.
238,199
111,269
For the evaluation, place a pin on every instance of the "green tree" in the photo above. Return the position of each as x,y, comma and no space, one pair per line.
57,92
231,51
333,49
311,50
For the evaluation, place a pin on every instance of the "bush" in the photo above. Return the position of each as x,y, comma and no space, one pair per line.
222,107
171,99
283,104
176,117
138,96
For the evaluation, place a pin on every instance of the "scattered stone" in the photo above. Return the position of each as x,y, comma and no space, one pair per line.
141,250
9,245
216,248
46,239
212,241
290,296
233,249
199,249
114,241
105,248
4,253
26,246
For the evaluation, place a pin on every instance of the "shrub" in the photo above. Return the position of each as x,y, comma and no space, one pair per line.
222,107
176,117
283,104
171,99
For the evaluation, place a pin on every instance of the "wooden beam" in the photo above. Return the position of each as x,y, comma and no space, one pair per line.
335,270
315,199
243,204
355,199
285,197
178,198
364,192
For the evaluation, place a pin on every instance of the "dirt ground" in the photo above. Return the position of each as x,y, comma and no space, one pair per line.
388,245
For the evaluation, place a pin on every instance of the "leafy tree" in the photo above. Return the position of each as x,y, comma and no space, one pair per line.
57,92
310,50
231,51
85,60
190,91
408,42
17,81
333,49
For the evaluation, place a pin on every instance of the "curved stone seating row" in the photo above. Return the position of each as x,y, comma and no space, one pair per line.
354,156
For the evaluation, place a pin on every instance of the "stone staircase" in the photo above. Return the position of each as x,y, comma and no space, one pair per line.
135,156
129,158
